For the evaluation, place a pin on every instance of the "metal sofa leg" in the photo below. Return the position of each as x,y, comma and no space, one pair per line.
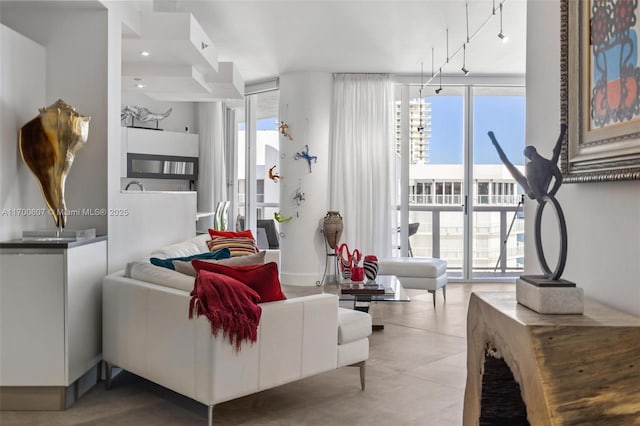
363,371
210,414
444,292
433,292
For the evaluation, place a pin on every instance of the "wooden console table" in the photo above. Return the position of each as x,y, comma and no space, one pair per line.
571,369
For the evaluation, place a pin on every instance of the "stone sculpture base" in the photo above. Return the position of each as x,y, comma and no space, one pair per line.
550,297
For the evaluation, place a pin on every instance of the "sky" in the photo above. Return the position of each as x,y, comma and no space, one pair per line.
504,115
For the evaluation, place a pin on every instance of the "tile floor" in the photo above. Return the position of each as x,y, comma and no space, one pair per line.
415,376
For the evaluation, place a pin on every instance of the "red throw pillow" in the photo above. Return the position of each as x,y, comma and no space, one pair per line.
231,234
263,279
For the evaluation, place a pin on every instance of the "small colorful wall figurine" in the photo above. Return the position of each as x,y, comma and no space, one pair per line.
305,154
278,217
284,130
274,176
299,196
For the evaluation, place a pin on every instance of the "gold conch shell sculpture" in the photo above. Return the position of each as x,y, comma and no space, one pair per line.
48,146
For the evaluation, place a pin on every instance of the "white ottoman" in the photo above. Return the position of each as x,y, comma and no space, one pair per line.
354,329
417,273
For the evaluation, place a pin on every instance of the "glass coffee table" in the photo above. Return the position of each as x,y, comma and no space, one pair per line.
362,296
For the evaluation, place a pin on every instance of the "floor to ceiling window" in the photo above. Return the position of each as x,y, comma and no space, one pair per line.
498,218
460,196
258,159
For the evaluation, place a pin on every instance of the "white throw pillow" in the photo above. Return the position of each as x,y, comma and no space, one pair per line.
145,271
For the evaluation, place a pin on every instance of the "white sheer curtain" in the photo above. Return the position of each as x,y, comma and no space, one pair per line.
362,185
212,176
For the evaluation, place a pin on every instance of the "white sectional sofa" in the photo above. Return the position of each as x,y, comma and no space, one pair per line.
147,331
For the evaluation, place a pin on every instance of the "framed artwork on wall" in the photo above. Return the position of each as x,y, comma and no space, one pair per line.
600,89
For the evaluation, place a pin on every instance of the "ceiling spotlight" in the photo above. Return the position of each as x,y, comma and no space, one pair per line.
421,125
501,35
145,53
140,86
204,45
464,60
439,89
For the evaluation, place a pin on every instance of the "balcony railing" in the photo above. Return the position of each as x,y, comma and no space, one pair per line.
456,199
490,254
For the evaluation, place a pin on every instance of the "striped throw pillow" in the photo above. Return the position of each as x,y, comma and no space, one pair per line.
238,246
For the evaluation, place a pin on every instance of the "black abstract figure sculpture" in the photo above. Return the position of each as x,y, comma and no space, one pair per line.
540,173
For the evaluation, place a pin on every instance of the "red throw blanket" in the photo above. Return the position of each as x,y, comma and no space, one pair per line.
228,304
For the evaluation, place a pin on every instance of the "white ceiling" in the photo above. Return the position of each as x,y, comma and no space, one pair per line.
266,38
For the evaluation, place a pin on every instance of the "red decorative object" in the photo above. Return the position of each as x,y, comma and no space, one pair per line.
357,273
352,260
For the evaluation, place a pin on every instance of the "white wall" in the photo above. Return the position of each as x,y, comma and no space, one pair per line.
149,221
22,79
152,219
76,67
308,96
82,65
603,219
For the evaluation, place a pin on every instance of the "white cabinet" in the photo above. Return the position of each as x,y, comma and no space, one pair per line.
159,154
160,142
50,318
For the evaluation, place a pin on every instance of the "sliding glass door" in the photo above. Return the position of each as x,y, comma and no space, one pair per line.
498,217
459,195
258,159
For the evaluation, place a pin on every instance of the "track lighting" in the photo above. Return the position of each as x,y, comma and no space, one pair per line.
470,35
464,60
464,45
466,9
432,62
439,89
501,35
421,125
447,45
